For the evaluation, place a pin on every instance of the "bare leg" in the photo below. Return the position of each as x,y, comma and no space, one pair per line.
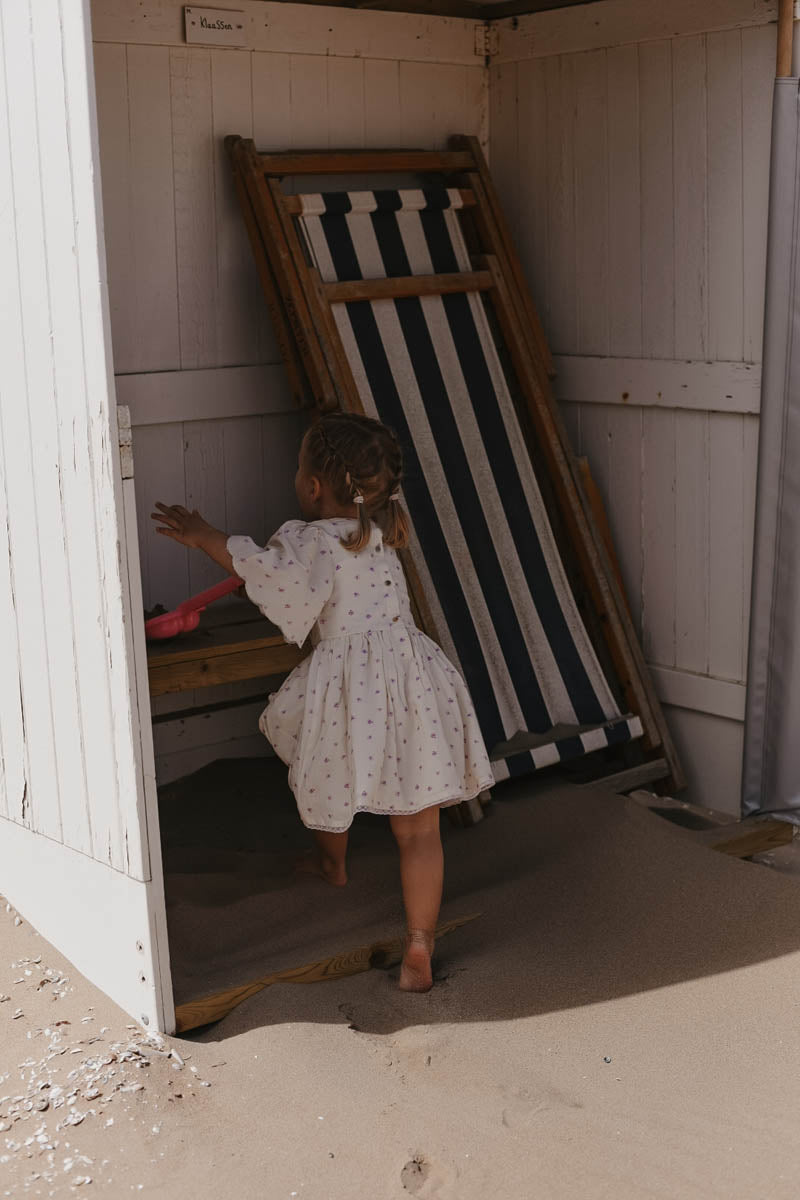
327,859
421,875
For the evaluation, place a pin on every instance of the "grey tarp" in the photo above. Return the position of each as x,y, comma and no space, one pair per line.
771,777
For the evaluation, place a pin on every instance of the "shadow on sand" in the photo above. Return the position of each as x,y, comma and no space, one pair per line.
584,896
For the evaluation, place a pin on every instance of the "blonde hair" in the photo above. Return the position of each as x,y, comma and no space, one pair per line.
361,461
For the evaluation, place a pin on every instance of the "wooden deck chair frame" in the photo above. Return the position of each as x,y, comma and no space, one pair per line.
320,376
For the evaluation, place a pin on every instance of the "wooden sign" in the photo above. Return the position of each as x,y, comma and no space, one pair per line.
215,27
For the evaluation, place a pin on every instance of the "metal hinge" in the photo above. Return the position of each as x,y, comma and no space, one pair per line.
125,440
487,40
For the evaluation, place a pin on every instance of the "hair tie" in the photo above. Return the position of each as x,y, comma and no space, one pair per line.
396,497
358,499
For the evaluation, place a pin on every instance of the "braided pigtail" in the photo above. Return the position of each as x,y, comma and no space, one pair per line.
396,523
362,462
396,532
361,537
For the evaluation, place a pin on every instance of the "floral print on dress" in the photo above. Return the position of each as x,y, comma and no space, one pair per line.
376,719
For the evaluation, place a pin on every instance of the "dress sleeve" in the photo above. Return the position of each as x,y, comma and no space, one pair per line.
290,579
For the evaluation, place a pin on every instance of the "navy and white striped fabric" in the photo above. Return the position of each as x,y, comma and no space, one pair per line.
482,541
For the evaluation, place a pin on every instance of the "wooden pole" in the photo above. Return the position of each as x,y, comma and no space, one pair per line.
785,38
286,345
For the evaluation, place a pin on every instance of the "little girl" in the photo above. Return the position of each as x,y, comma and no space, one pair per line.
376,719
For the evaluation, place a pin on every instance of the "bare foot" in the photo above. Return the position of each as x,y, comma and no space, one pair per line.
314,862
415,972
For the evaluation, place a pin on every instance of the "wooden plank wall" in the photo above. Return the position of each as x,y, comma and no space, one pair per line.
194,356
70,770
635,167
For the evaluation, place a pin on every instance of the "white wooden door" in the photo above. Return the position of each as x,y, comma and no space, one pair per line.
79,841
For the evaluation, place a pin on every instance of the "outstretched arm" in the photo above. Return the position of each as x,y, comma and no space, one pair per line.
190,529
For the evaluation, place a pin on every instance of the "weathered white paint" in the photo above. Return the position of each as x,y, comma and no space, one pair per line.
164,397
700,693
648,186
302,29
74,834
710,747
195,357
96,917
724,387
622,23
147,796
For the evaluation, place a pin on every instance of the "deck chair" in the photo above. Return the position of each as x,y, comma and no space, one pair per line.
442,345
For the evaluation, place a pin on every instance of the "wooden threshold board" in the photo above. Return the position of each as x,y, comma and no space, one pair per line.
195,1013
739,839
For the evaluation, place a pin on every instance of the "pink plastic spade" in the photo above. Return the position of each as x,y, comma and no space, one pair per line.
186,616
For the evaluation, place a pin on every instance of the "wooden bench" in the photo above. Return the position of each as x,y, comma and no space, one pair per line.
233,642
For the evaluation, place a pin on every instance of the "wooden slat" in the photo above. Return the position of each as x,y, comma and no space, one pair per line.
278,30
746,838
692,549
709,817
292,301
219,633
568,30
355,162
783,64
633,777
739,839
294,204
280,325
345,102
243,660
725,387
559,135
384,115
690,203
195,1013
592,265
659,578
532,177
727,565
601,520
182,715
725,190
757,88
195,218
248,663
203,459
406,285
238,314
135,129
623,497
700,693
624,204
318,351
167,397
657,202
346,384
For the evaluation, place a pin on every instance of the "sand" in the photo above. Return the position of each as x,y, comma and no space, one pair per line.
622,1021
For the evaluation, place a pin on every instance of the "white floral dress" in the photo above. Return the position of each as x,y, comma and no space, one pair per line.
376,719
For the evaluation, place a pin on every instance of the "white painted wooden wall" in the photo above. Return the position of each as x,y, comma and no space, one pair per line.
74,852
632,151
194,355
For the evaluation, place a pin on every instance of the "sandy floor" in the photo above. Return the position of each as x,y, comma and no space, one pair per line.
622,1021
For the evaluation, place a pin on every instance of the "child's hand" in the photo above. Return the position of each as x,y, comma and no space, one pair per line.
188,528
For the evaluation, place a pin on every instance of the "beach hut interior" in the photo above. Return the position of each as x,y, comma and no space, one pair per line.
575,196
